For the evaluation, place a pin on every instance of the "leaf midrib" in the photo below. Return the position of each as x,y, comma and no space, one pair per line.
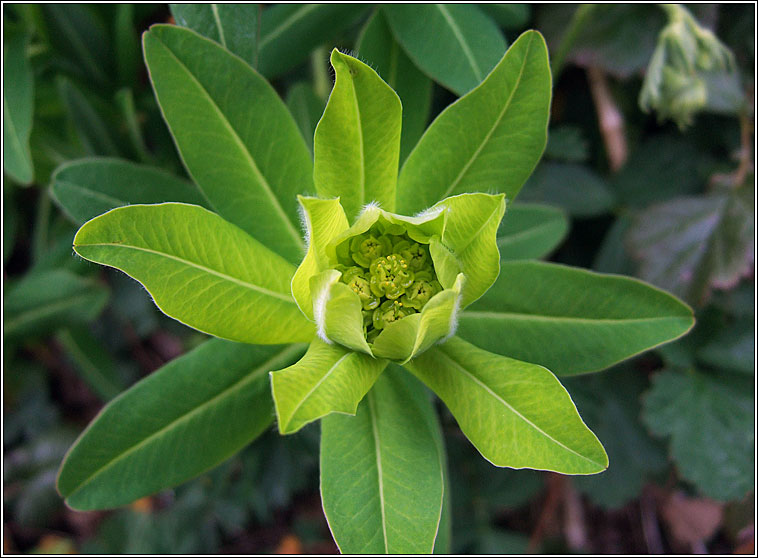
321,380
487,137
361,148
217,20
43,311
116,202
493,315
464,45
241,145
286,298
377,448
255,374
481,384
288,22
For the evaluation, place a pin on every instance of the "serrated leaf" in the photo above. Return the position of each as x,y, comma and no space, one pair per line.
574,188
455,44
289,32
223,130
710,421
571,320
470,233
328,379
732,348
44,301
490,139
86,188
381,51
233,26
357,141
610,404
18,108
690,245
306,109
515,413
382,472
197,267
324,219
150,438
531,231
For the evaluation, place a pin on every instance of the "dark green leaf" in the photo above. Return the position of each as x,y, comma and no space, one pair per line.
92,361
91,129
378,48
173,425
575,188
382,472
86,188
126,43
290,31
236,136
18,108
567,143
43,302
690,245
509,16
490,139
233,26
711,423
306,109
571,320
530,231
455,44
610,403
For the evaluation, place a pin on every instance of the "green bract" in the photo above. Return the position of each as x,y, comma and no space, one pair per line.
373,305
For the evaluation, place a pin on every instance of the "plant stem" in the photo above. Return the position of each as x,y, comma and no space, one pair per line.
610,119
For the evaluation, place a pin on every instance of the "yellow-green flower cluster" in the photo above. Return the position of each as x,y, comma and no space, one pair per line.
392,275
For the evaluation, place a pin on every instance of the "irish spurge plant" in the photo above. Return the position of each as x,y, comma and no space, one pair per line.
398,279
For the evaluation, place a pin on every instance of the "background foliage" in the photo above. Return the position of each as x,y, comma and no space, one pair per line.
628,193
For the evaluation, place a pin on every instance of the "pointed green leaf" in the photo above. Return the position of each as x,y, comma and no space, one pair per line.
175,424
328,379
515,413
470,234
710,420
571,320
86,188
18,108
78,32
233,26
382,472
357,141
531,231
490,139
456,44
324,219
223,129
381,51
404,339
289,32
198,267
44,301
306,109
91,129
92,361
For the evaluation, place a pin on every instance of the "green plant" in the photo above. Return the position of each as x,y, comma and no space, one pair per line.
366,319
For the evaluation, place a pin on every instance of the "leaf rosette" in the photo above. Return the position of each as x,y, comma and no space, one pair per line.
391,286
